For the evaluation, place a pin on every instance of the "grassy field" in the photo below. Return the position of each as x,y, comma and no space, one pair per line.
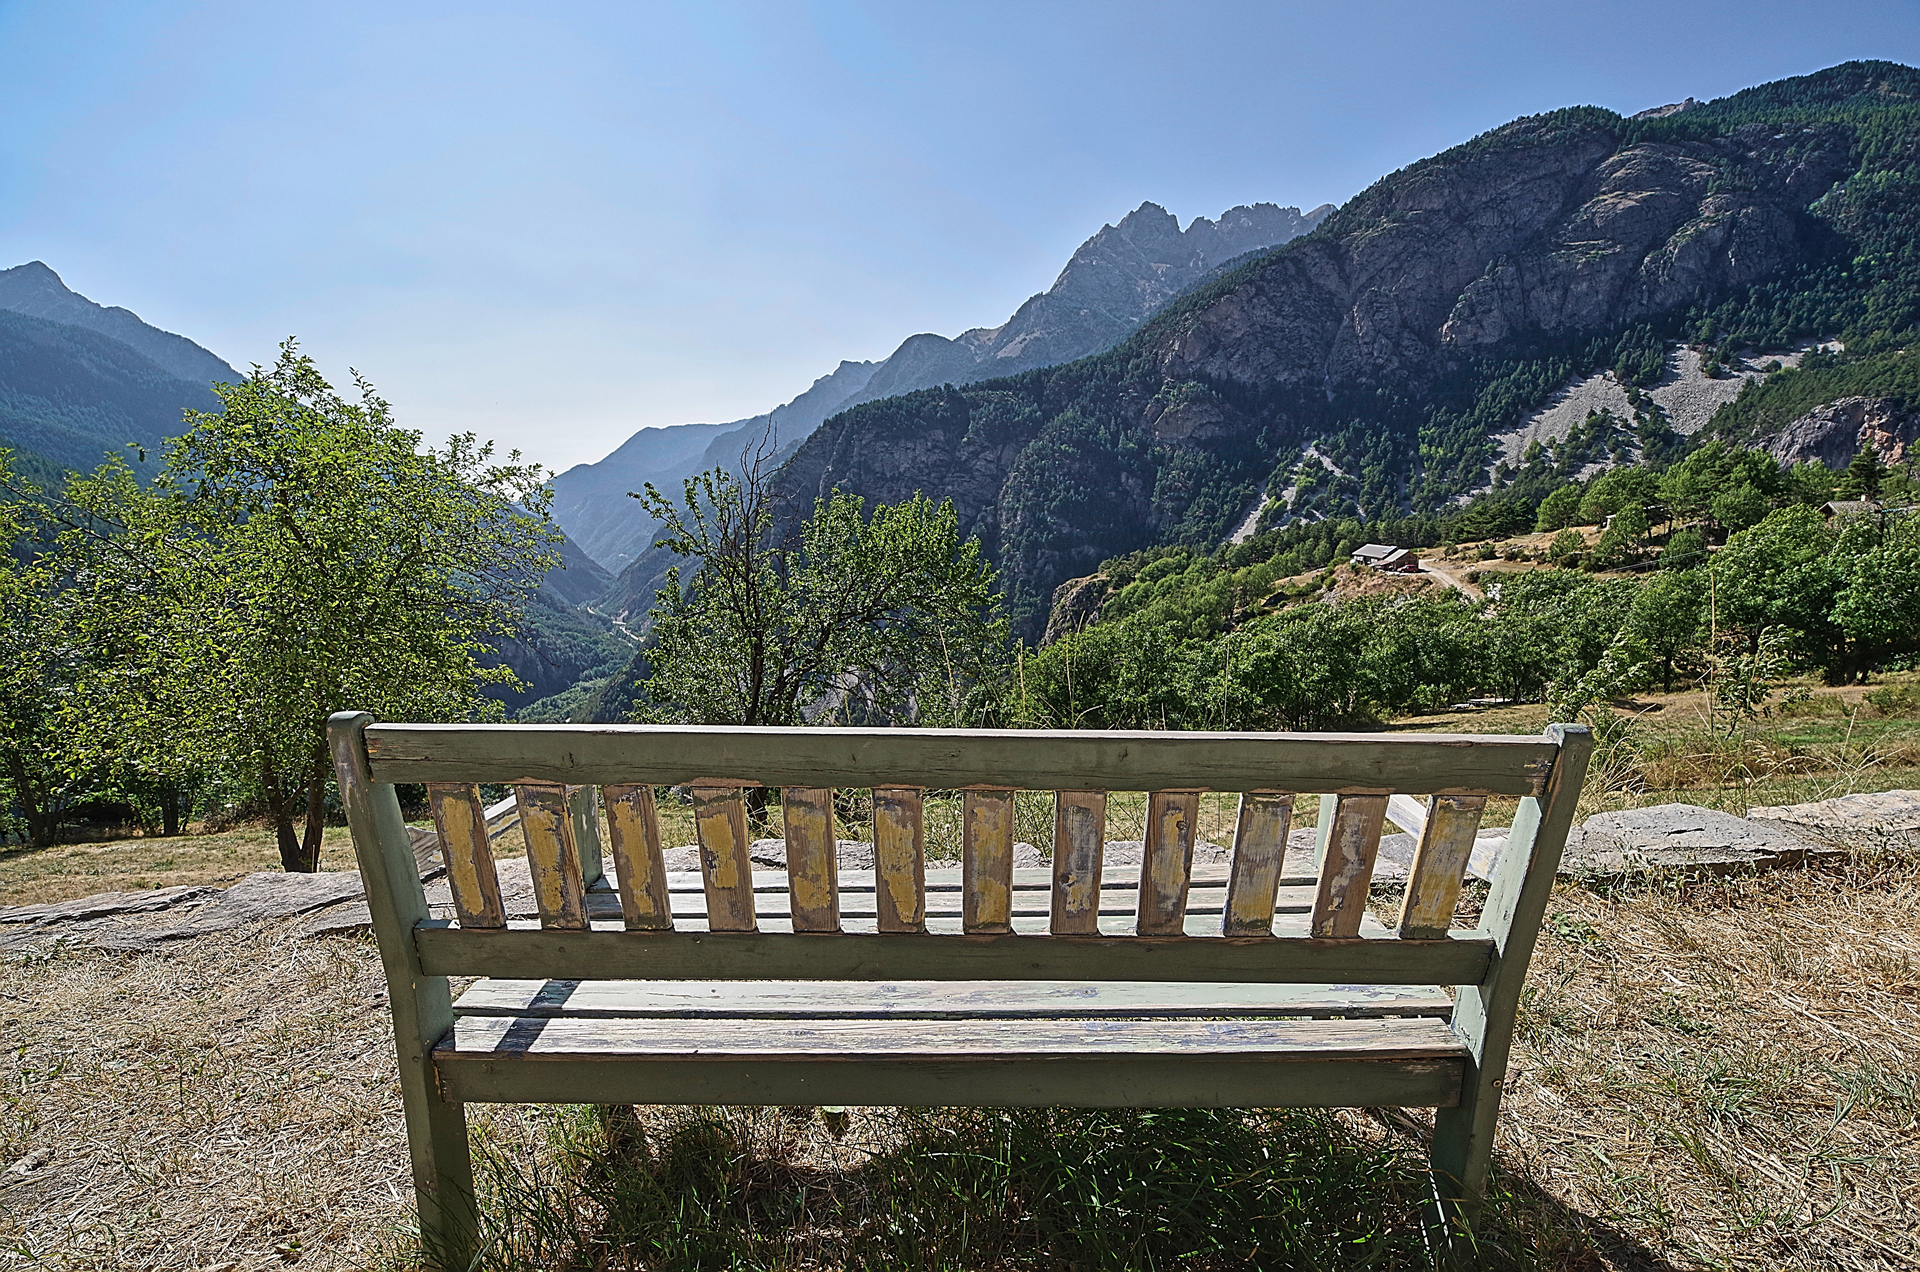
1708,1074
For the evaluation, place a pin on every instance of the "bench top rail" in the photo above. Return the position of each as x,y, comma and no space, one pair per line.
956,759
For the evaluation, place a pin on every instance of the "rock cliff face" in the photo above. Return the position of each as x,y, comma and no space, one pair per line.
1834,433
1545,234
1116,281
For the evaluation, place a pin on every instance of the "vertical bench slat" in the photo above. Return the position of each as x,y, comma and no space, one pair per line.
1259,855
461,820
986,837
813,883
633,835
900,859
1439,865
547,822
726,870
1079,836
1172,819
583,805
1352,840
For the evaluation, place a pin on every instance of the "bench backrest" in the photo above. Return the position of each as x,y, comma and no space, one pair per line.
571,781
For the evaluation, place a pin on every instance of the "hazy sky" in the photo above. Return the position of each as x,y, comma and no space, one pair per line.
556,223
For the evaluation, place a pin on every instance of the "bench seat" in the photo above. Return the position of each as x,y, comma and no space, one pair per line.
1394,1061
942,1000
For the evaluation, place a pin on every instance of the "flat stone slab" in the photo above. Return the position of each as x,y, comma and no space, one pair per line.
1675,836
1878,813
145,920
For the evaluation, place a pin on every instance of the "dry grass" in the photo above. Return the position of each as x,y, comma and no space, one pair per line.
64,871
1707,1075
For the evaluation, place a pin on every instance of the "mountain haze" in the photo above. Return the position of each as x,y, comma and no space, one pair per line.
36,291
1114,282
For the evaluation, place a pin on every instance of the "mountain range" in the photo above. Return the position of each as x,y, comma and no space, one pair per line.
1433,309
1114,282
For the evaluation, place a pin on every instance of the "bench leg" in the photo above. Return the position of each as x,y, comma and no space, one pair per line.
442,1175
1463,1153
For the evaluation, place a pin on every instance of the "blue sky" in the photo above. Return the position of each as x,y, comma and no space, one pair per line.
554,224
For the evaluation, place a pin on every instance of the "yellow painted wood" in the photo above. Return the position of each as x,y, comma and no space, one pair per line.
1259,853
812,863
1079,835
986,835
1172,818
1439,865
633,835
720,823
954,759
461,820
900,859
1346,868
547,822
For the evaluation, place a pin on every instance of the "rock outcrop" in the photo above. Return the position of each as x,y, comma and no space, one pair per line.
1834,433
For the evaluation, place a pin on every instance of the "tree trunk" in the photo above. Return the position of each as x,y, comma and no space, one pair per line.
169,808
281,810
42,820
316,809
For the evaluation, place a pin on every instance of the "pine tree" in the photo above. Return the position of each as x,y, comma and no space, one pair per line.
1863,476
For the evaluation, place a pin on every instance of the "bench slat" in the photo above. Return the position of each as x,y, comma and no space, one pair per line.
1346,869
1259,853
1079,838
1172,820
937,1000
546,819
986,833
720,823
538,954
583,806
1440,864
812,864
465,848
1325,1080
900,859
953,759
633,835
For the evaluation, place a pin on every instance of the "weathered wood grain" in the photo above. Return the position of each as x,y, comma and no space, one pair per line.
900,859
1346,868
547,821
720,823
633,835
812,860
1088,1081
461,820
583,806
1079,838
1407,812
1172,819
1259,853
943,1000
958,758
986,834
1439,865
540,954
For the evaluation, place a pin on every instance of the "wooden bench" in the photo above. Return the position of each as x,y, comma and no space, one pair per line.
1081,984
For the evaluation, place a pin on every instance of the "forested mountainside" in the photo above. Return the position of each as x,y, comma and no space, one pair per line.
1440,305
1115,281
36,291
68,396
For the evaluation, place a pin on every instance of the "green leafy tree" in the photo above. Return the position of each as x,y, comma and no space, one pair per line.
1879,607
1559,509
1783,574
1741,507
1566,547
889,614
1686,549
1625,537
298,555
1618,489
1667,621
1863,476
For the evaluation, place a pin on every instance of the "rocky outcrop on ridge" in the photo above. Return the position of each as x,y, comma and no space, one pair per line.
1837,431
